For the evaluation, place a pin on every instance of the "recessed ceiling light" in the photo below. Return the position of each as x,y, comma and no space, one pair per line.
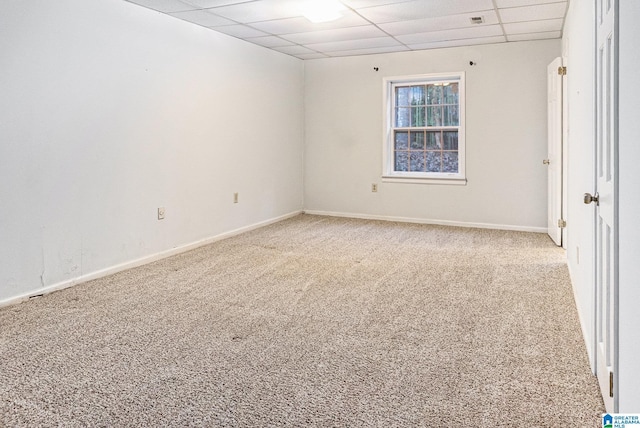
322,10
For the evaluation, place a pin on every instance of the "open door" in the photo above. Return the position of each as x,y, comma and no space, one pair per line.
605,203
554,161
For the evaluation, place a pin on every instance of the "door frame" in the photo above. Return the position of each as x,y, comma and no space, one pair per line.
565,150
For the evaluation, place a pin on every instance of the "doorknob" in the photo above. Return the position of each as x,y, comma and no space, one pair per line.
588,198
545,162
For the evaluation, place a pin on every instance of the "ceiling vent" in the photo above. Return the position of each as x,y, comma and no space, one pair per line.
477,20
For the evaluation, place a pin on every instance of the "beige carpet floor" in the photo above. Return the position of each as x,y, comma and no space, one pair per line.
312,321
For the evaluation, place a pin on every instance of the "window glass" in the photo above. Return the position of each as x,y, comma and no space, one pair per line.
426,135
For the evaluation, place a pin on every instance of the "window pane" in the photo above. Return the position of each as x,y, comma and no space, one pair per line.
425,126
434,140
417,96
450,93
402,140
434,161
402,161
450,115
417,116
451,140
402,117
417,140
416,161
402,96
450,162
434,116
434,94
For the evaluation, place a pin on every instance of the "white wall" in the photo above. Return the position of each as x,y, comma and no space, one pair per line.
578,49
506,136
629,207
108,111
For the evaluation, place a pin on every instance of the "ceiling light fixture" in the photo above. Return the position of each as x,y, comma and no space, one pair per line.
322,10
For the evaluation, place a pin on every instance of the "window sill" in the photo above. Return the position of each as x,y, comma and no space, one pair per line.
425,180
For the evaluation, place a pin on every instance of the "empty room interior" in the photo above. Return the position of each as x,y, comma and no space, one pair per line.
269,213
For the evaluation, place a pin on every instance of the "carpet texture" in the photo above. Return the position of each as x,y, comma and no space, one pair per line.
312,321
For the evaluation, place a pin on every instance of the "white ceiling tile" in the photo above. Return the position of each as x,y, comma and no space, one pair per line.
377,42
261,10
453,43
419,9
203,18
311,56
533,26
205,4
294,50
457,34
439,23
364,32
534,36
239,30
533,13
369,51
369,3
517,3
301,25
269,41
164,5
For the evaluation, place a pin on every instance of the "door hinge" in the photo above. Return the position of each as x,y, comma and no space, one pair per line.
562,223
562,71
610,384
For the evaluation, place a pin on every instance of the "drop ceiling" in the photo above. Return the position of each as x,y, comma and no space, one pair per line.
372,26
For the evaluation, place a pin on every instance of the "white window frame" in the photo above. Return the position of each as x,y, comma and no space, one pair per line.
388,173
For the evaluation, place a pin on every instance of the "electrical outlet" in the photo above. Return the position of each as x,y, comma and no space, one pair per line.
161,213
235,198
374,187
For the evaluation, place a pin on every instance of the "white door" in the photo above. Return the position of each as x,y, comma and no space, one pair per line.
554,153
605,204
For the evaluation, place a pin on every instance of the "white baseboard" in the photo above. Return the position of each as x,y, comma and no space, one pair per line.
430,221
141,261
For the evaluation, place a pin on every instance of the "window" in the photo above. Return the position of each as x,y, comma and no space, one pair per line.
424,132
